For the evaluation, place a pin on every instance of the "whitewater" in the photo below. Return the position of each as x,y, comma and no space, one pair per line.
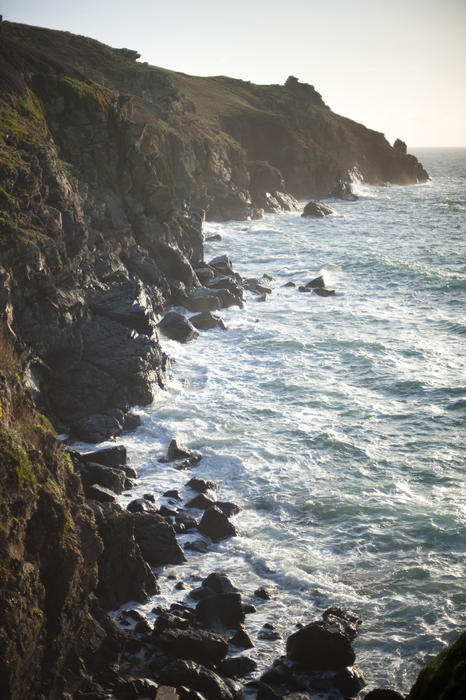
337,424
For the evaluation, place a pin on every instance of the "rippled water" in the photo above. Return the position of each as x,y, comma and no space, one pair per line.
337,423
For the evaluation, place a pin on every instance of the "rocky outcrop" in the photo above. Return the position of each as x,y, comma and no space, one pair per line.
317,210
443,676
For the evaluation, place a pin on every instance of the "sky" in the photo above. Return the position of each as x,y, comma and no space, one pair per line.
397,66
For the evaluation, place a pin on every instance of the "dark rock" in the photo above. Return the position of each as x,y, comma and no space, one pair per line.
248,608
226,282
265,692
214,237
385,694
131,422
123,573
99,426
290,284
444,676
142,627
201,485
400,147
167,512
215,524
99,493
197,677
167,620
197,645
252,284
304,289
316,283
343,191
317,647
228,508
201,502
217,582
107,456
228,298
264,593
149,497
185,519
112,479
269,633
345,621
241,639
220,612
134,615
317,209
177,327
157,540
203,299
176,451
222,264
180,586
167,692
197,546
349,681
207,320
136,688
172,493
139,505
127,303
324,292
236,666
189,694
204,274
130,472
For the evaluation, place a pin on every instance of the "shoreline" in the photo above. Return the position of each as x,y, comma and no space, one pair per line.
168,505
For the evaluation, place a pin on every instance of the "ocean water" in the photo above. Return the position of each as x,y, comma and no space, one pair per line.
337,424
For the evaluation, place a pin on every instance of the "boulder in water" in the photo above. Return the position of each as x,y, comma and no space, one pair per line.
176,327
317,209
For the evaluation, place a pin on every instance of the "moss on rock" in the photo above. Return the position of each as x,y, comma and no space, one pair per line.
443,677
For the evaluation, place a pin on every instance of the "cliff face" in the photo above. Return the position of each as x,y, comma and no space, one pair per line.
48,548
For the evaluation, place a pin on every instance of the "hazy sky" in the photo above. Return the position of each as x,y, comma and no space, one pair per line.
397,66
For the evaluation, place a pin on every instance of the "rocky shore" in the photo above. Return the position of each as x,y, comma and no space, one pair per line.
108,168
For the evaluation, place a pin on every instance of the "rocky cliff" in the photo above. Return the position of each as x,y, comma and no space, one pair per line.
107,168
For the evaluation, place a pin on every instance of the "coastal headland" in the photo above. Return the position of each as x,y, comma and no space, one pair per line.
108,168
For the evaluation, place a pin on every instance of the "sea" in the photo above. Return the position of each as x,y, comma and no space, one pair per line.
336,423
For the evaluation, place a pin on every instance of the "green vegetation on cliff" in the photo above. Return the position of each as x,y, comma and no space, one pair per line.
443,677
45,579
